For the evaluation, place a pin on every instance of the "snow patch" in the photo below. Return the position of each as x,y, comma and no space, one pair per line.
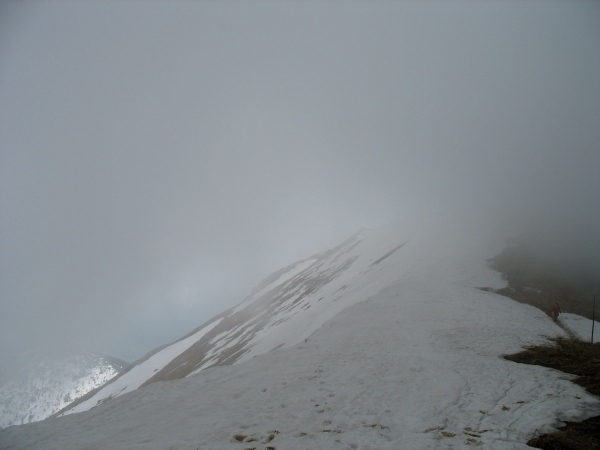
139,374
581,326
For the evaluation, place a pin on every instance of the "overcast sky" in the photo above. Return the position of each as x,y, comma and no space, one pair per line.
158,159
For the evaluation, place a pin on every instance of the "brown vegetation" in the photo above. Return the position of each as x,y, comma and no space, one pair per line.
534,281
578,358
570,356
573,436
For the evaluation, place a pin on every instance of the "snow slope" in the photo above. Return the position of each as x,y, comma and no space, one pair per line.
580,326
42,385
387,343
282,313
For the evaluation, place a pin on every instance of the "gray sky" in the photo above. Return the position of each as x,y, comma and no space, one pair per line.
157,160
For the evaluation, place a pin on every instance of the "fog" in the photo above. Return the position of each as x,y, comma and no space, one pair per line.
157,160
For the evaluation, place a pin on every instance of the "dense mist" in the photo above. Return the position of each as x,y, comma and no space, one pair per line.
157,160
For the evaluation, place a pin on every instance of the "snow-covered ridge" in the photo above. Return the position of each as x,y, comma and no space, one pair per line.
44,386
407,353
287,308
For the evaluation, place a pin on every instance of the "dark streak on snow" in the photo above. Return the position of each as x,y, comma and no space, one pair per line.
388,254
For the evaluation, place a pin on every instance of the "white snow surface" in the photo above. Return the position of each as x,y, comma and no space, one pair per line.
581,326
141,373
44,385
132,379
397,350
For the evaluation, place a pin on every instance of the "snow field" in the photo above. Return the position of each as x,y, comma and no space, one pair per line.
417,365
580,326
135,377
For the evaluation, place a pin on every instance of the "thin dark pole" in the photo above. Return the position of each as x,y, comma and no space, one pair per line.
593,317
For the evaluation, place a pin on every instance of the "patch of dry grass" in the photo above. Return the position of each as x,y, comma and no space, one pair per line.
578,358
573,436
570,356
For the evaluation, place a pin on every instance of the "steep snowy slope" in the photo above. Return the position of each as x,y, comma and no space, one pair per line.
42,385
390,344
287,309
